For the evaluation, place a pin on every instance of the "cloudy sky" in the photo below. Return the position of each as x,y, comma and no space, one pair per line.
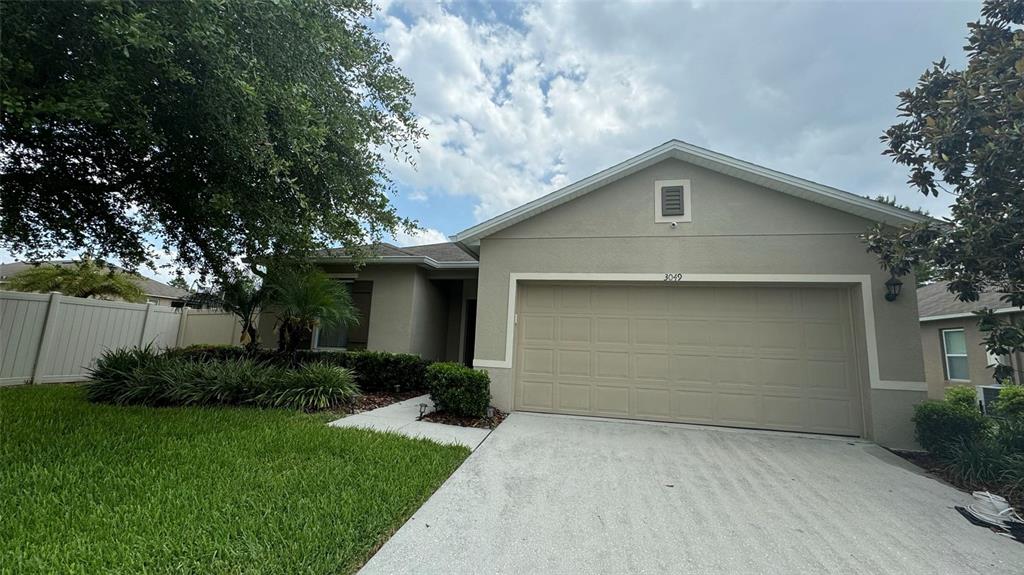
520,99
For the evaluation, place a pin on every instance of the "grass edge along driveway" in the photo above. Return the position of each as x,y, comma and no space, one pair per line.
93,488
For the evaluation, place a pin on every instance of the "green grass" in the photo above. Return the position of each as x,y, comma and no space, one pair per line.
94,488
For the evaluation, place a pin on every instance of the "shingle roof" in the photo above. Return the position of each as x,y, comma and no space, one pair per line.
442,253
935,300
149,286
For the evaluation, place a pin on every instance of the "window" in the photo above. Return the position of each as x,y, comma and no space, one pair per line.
954,348
350,337
672,201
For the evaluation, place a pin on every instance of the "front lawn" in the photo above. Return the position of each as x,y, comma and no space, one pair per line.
95,488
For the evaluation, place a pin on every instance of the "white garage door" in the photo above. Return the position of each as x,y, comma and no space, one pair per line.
760,357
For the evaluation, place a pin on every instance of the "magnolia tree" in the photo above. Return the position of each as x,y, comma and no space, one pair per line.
963,135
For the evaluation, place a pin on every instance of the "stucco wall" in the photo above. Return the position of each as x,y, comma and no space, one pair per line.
737,228
429,318
977,359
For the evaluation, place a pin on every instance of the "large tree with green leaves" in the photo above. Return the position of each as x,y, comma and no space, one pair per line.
219,128
963,135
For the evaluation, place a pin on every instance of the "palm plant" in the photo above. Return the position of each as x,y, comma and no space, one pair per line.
244,297
87,278
305,298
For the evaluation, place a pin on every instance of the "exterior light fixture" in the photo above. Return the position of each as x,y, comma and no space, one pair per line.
893,286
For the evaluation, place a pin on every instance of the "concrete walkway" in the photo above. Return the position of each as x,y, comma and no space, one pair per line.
401,418
555,494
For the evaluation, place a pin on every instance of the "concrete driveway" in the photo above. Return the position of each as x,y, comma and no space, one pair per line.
555,494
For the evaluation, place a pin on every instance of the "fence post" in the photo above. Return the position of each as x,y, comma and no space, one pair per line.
182,322
145,324
49,326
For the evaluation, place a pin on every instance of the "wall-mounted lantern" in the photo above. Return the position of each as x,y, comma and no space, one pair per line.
893,286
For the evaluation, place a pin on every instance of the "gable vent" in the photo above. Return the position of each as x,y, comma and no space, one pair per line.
672,201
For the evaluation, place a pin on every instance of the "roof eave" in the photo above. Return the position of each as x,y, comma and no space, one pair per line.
422,261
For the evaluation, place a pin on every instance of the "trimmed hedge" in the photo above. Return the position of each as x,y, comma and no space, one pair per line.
142,377
459,390
374,370
940,424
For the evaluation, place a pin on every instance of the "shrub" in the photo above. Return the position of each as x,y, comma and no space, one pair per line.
938,424
1010,402
459,390
962,396
113,368
1009,433
317,385
977,463
373,370
125,377
382,371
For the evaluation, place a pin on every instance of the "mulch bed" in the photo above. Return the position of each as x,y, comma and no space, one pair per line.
929,463
371,401
479,422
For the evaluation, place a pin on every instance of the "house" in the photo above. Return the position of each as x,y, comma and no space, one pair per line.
157,293
951,341
680,285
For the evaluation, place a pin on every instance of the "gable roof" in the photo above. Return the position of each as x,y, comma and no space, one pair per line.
677,149
437,256
149,286
935,302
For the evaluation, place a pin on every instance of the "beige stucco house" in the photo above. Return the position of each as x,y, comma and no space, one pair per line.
681,285
952,343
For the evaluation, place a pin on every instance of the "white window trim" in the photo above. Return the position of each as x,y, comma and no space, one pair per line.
946,355
687,192
864,281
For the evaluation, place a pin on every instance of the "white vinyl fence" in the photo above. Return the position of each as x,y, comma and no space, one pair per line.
49,338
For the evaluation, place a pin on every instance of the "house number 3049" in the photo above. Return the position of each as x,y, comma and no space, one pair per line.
673,277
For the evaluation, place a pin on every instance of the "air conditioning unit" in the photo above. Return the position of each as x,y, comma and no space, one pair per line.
986,395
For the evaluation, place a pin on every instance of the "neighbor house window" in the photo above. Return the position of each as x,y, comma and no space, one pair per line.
350,337
672,201
954,348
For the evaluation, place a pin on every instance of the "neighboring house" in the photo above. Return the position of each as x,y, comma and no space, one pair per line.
156,292
953,350
680,285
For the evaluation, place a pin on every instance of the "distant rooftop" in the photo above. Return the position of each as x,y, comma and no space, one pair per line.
446,252
935,300
148,286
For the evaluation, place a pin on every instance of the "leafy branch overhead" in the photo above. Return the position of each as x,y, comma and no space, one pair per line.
962,135
219,129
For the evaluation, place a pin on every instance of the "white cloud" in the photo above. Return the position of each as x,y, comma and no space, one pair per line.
420,237
516,108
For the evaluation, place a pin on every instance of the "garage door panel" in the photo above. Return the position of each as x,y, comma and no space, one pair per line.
611,330
651,366
538,395
694,406
611,364
574,362
573,397
764,357
738,409
538,329
537,361
694,332
612,400
653,403
650,331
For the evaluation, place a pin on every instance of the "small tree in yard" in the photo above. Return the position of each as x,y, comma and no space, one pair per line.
964,130
244,296
303,299
87,278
